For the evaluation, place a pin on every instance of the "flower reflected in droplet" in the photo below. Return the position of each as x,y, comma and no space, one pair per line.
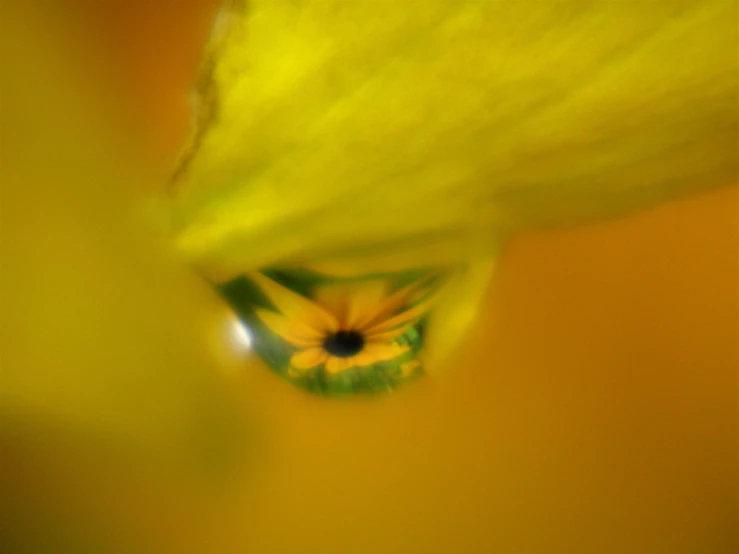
346,325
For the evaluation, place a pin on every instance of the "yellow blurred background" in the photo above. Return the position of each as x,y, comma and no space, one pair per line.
592,408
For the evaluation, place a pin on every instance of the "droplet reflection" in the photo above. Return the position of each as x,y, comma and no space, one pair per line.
242,337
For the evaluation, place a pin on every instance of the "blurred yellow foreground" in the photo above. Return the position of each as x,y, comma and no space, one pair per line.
591,409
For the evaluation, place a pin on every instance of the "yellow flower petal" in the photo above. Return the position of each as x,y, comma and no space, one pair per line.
375,352
306,359
335,299
364,304
292,330
294,306
388,336
400,321
409,367
334,364
354,305
391,303
406,295
563,157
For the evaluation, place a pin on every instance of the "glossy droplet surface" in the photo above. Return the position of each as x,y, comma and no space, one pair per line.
335,336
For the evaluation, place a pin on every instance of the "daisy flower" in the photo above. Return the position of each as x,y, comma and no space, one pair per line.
346,325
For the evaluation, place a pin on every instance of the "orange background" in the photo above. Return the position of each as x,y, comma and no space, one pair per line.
593,408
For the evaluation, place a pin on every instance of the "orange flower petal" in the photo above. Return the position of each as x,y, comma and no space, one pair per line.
292,330
311,357
294,306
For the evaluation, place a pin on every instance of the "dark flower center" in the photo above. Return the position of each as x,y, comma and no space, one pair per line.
344,344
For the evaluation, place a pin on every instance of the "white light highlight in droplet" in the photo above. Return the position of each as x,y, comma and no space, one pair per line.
241,335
